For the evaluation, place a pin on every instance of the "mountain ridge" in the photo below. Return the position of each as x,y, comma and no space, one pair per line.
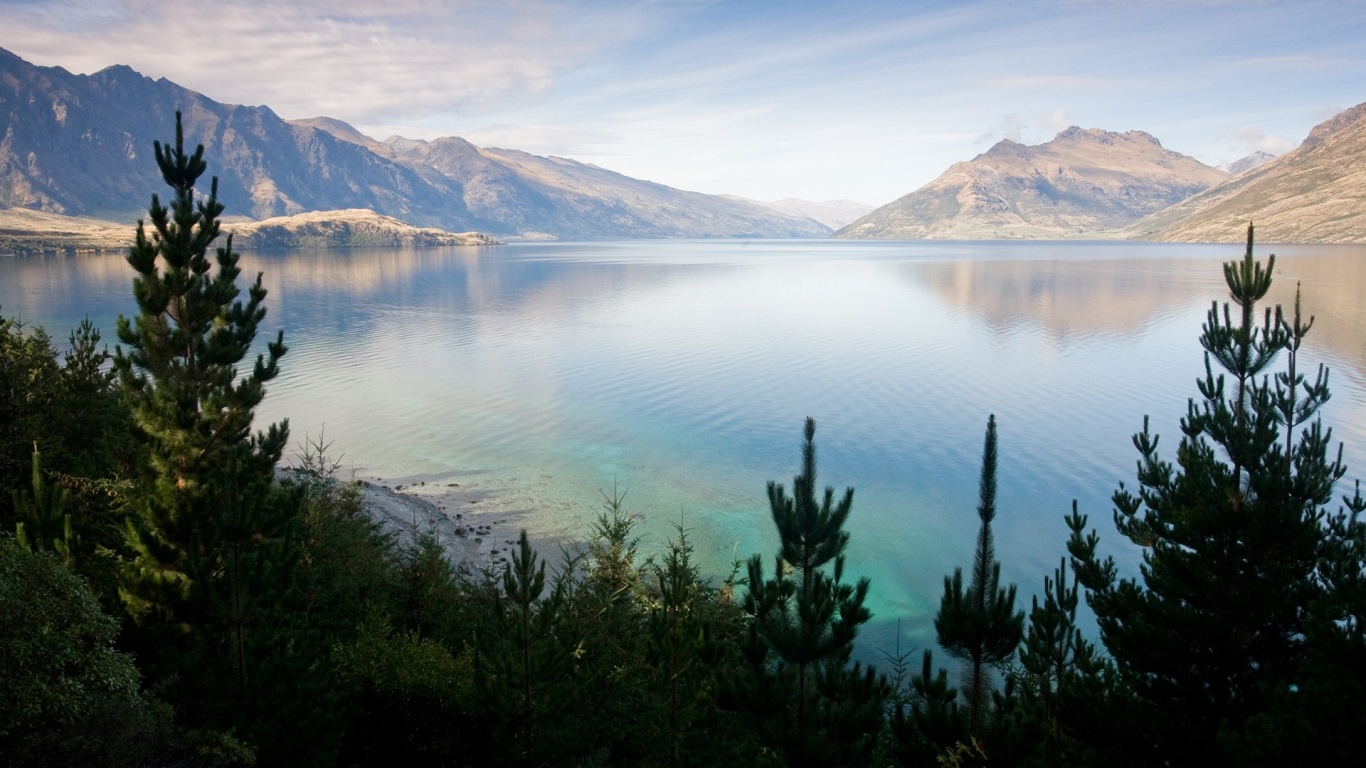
1084,182
78,145
1315,193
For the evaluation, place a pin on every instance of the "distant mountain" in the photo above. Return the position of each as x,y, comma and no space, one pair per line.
1246,163
1083,182
1315,193
81,145
832,213
530,194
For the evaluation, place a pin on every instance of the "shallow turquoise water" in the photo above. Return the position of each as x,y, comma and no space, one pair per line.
682,372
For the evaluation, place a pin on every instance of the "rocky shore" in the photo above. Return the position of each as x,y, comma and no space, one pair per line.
475,527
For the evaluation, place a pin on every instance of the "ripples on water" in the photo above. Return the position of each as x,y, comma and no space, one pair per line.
682,371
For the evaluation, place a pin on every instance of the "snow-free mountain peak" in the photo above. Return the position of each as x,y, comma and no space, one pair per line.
81,145
1084,182
1315,193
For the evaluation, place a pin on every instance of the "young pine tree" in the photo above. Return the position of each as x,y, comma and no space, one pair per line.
524,665
816,709
1056,661
980,626
213,538
1232,535
44,525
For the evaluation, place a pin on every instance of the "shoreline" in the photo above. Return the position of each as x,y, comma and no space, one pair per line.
476,527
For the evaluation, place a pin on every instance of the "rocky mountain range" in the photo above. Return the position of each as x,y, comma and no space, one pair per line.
1315,193
80,145
1083,182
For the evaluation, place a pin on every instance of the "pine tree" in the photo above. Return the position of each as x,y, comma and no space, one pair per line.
679,640
980,626
1055,660
819,710
44,524
1231,535
930,722
189,336
524,664
214,539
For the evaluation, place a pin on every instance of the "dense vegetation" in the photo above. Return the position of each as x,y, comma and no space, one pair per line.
166,601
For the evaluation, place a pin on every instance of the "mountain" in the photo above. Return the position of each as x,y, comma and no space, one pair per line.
1084,181
568,199
81,145
1246,163
832,213
1315,193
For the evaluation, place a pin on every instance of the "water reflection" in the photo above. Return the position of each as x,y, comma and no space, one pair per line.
682,370
1068,298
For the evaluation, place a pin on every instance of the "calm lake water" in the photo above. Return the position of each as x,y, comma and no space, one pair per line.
681,371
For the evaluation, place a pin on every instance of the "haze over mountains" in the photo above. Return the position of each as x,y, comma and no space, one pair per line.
832,213
81,145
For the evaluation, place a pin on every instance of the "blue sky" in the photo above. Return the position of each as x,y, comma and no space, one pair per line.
856,100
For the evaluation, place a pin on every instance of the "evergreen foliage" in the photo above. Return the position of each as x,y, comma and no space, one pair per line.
214,539
67,697
43,523
980,626
429,591
1214,630
523,660
1055,662
810,706
683,651
283,628
28,393
70,409
347,566
930,722
414,695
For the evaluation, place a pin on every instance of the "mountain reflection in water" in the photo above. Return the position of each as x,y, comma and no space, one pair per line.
682,371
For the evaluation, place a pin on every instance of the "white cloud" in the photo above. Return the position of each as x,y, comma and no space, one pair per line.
355,59
1011,127
544,139
1253,139
1058,120
766,100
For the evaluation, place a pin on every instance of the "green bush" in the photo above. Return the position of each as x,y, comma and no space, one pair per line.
67,697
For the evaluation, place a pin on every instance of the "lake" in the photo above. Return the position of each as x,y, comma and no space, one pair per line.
681,372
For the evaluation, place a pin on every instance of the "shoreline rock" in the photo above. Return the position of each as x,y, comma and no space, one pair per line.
474,527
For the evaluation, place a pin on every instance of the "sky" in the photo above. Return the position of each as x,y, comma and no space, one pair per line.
863,101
